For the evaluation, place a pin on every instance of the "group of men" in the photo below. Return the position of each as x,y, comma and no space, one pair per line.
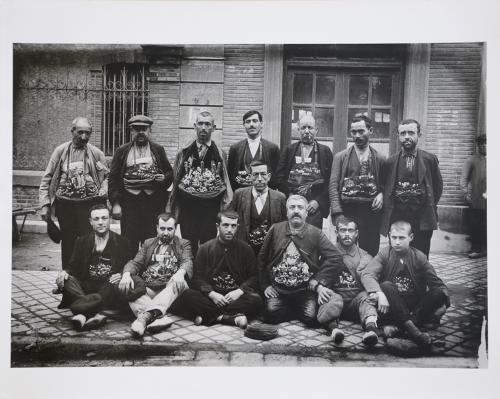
258,248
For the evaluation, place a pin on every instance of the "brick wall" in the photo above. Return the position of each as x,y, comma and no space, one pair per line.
452,111
243,88
164,89
24,197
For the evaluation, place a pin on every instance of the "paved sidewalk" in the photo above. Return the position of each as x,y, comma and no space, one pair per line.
35,319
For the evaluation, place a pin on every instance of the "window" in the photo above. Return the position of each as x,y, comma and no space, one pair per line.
334,96
126,93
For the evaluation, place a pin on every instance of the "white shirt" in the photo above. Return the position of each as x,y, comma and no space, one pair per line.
260,199
253,144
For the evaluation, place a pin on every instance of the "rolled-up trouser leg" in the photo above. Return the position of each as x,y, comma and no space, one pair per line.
331,310
277,310
164,299
362,308
142,303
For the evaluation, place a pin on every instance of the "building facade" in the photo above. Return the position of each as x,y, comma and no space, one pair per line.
441,85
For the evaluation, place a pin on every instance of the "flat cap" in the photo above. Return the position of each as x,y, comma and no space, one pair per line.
141,120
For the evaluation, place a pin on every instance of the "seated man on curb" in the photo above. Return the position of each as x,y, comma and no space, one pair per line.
163,263
90,284
405,284
225,279
355,304
297,263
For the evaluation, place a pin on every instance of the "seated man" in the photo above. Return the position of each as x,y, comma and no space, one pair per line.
225,279
297,263
258,207
90,284
405,284
162,263
355,304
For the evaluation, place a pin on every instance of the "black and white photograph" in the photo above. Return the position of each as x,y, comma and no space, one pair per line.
257,203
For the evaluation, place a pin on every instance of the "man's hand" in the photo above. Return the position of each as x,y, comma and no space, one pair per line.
160,177
233,295
45,213
312,207
324,294
378,202
115,278
178,279
270,292
373,299
126,283
61,278
102,192
383,303
116,212
219,299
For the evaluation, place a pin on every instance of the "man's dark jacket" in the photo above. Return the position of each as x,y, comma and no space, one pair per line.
239,258
323,259
429,177
324,159
270,155
242,203
119,165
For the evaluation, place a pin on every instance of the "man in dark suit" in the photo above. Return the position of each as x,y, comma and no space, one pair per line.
138,181
304,169
258,207
413,187
90,283
356,188
253,148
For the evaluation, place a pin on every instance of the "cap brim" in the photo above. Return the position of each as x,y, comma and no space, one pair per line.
139,124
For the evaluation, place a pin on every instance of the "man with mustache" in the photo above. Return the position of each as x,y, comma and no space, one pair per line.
355,304
304,169
225,283
74,181
138,181
412,188
197,214
90,282
253,148
163,263
356,188
297,266
258,207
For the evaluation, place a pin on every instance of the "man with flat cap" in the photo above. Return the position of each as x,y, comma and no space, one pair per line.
138,181
74,181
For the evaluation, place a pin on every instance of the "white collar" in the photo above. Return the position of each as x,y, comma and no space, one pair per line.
253,141
208,143
263,195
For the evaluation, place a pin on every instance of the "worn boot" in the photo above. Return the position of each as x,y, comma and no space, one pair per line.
417,336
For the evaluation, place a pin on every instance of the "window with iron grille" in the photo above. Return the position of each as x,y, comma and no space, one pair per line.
126,91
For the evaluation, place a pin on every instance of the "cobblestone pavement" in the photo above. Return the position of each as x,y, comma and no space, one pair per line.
34,316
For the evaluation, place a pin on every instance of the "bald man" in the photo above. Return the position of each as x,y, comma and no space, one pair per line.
304,169
75,180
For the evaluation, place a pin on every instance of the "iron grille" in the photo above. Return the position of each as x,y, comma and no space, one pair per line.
126,92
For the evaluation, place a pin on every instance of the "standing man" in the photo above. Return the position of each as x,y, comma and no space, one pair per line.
304,169
225,281
258,207
74,181
356,189
413,187
90,282
196,204
253,148
138,181
355,305
297,264
163,263
473,185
